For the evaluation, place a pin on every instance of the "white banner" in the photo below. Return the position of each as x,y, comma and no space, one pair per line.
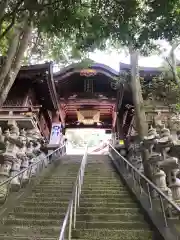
56,133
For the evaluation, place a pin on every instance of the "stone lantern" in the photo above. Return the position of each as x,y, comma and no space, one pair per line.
30,151
38,141
22,155
5,167
13,147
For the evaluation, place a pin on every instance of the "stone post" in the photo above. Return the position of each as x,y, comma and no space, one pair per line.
22,155
30,152
12,150
134,154
38,141
5,167
163,145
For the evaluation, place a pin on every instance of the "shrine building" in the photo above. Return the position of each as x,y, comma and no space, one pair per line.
75,96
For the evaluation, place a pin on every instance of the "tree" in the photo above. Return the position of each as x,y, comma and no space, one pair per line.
163,19
128,23
23,20
121,23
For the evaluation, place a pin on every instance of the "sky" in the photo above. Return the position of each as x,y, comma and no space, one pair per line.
113,58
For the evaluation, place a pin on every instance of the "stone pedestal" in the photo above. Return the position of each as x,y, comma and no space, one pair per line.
22,156
38,141
12,150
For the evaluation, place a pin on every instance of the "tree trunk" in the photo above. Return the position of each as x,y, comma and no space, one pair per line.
142,126
173,63
12,74
14,42
140,116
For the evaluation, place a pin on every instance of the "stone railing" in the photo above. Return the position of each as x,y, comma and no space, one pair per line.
18,150
163,151
162,146
163,158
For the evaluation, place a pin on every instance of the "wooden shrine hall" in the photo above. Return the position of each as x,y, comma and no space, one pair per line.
78,97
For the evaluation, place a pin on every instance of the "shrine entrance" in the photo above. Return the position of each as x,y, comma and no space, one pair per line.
89,97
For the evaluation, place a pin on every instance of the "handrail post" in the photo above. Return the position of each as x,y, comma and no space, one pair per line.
70,221
75,205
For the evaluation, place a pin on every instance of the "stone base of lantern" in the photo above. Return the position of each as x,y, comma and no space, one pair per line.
24,164
4,175
3,189
15,183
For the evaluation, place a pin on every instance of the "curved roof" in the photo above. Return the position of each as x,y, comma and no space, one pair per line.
145,69
75,68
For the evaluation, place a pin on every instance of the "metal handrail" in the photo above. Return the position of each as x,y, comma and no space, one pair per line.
149,185
29,169
74,200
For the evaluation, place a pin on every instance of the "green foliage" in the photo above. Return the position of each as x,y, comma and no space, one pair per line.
163,19
162,89
57,25
118,22
4,41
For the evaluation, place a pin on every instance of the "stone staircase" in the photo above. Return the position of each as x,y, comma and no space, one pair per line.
40,215
107,210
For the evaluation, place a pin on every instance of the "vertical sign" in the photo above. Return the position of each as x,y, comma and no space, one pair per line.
56,133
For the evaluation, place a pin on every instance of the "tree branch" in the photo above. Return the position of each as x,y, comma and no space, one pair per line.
16,65
9,27
12,13
10,54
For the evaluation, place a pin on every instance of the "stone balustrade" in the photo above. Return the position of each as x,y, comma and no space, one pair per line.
164,158
18,150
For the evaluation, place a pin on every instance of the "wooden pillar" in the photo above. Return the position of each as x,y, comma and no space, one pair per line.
55,117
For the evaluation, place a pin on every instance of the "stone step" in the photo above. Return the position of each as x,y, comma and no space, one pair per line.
88,195
53,191
105,210
84,187
106,234
57,187
33,231
105,190
71,174
96,175
102,184
81,210
87,185
57,181
23,222
91,178
86,217
133,217
82,198
108,204
19,237
121,224
102,169
84,192
31,222
106,180
60,203
99,187
111,225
